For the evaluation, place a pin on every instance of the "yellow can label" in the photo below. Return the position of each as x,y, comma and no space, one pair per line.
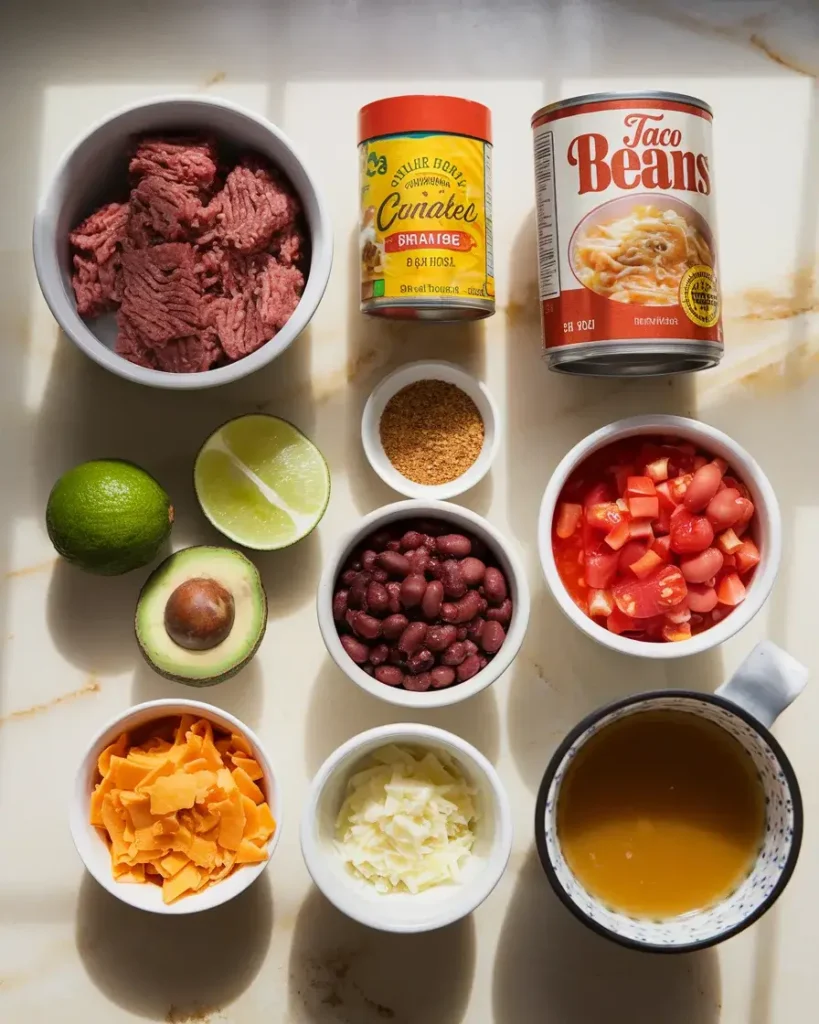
426,219
699,296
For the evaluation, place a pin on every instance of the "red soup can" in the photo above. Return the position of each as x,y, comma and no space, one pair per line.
626,228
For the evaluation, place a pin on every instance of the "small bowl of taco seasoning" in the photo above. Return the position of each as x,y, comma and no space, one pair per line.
430,430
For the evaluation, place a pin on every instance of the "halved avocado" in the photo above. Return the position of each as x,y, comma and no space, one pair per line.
201,615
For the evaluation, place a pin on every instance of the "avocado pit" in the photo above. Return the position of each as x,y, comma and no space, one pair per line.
199,614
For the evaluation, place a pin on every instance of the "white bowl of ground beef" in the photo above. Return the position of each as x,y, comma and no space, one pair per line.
165,272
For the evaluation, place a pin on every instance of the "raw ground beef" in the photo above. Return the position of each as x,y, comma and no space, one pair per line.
201,274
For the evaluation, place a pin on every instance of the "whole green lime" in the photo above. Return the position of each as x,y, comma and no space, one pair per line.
108,516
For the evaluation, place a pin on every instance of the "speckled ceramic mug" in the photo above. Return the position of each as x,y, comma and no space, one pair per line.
746,706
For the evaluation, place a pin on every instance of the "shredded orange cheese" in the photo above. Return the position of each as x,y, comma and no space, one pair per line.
180,808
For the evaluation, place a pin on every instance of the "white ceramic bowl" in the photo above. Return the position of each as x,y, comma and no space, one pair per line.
404,912
92,848
401,378
461,519
82,182
768,531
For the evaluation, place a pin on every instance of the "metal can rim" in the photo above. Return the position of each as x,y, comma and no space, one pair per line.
601,97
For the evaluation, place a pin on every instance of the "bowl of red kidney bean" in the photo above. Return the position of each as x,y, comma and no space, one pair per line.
659,536
424,604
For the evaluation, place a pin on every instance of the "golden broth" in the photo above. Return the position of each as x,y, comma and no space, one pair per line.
660,813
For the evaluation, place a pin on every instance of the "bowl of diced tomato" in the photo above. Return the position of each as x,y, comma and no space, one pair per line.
660,536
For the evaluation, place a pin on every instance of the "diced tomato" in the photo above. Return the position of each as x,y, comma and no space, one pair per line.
640,486
641,599
665,497
680,614
646,565
617,537
622,504
621,475
604,516
679,485
644,508
618,623
662,524
690,533
657,470
747,556
731,590
640,528
731,481
674,633
568,519
728,562
630,552
601,568
600,494
729,542
662,547
601,604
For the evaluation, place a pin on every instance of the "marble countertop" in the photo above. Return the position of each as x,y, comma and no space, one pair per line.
69,952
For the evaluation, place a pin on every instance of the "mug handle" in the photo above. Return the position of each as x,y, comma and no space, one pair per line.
766,682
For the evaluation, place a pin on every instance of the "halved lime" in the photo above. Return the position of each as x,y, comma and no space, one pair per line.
261,482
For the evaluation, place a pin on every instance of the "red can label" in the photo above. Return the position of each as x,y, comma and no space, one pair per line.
626,225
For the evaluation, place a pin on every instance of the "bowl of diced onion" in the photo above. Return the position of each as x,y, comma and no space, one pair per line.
407,828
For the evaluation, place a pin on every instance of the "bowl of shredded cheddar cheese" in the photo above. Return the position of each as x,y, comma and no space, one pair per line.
176,808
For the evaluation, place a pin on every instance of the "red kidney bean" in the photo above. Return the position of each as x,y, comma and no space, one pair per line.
503,614
724,509
703,487
380,576
379,540
419,561
468,668
339,605
494,586
355,564
357,651
422,661
364,625
470,648
393,626
483,661
389,674
440,637
394,563
475,628
432,600
412,591
411,540
348,577
396,657
394,590
442,676
378,654
412,638
368,559
394,545
357,597
462,633
377,598
472,570
701,567
449,611
449,573
418,684
467,608
368,668
454,654
492,637
453,545
701,598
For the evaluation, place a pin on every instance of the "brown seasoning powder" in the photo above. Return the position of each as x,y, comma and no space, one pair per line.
432,432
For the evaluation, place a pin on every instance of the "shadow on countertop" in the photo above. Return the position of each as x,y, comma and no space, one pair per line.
173,968
551,967
344,973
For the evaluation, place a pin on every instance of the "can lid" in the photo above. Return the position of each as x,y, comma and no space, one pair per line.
398,115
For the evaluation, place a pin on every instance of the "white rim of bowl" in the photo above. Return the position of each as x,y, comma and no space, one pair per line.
411,373
64,310
413,733
751,474
78,815
458,691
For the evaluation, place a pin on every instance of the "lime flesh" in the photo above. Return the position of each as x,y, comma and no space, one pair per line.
261,482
